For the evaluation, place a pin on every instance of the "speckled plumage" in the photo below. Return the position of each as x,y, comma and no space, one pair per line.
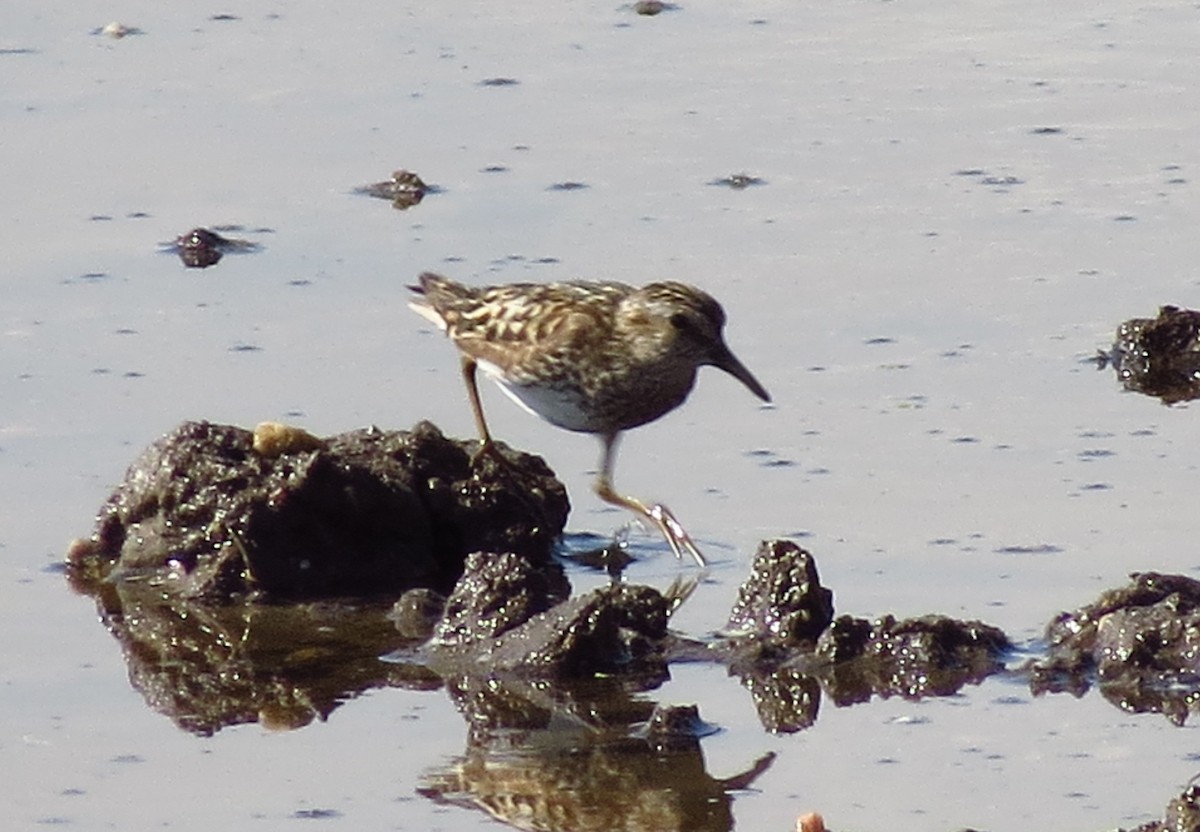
595,357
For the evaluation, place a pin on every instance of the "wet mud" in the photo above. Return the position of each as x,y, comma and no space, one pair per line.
1139,644
218,512
1159,356
204,247
261,577
404,190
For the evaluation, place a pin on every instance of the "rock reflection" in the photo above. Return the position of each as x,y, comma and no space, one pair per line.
568,757
208,667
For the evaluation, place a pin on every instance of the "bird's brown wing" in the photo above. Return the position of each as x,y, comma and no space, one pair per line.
543,347
526,330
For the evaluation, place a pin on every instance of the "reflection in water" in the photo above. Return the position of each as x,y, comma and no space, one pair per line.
560,731
565,758
212,666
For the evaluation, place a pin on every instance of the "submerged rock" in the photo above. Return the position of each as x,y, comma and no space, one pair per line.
201,513
1159,356
1141,642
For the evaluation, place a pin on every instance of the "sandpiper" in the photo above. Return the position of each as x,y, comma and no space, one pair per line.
593,357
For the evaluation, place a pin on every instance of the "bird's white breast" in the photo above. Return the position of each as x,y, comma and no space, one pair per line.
559,406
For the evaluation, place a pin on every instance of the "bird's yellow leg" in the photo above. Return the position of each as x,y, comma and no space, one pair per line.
486,445
468,372
662,518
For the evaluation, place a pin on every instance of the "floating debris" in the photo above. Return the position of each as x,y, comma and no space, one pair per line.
203,247
1159,356
649,8
738,181
404,190
116,30
994,181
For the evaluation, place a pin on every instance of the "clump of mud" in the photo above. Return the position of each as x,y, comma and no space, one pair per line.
1139,643
214,511
1159,356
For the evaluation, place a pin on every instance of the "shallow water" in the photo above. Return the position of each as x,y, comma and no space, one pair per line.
936,440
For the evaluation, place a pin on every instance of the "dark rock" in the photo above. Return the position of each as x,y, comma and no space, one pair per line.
650,8
782,601
1141,642
496,593
200,248
203,247
786,647
738,181
933,655
505,616
202,514
1182,814
1160,356
614,629
404,190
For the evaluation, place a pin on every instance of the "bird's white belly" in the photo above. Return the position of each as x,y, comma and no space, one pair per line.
563,407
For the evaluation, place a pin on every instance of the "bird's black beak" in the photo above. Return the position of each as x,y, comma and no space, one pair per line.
727,361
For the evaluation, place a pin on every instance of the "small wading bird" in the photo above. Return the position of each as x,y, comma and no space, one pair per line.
593,357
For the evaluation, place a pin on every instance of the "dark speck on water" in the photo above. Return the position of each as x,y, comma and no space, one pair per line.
1033,549
499,82
1002,181
738,181
568,186
649,8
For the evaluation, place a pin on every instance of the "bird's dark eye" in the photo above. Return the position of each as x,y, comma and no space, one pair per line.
682,322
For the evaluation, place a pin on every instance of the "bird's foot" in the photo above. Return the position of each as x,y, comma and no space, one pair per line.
677,537
679,591
489,450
